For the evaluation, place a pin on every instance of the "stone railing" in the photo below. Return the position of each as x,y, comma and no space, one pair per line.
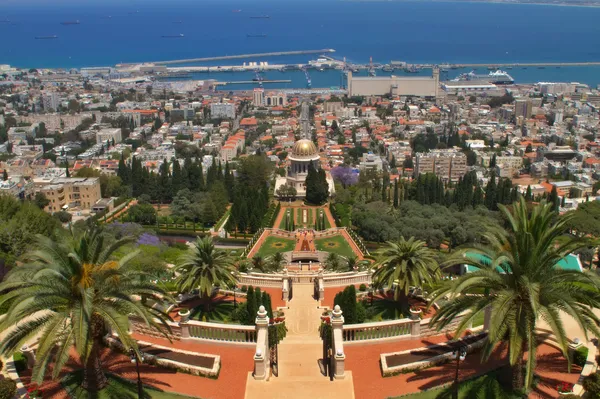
337,331
312,255
329,232
260,281
231,333
382,330
139,326
345,279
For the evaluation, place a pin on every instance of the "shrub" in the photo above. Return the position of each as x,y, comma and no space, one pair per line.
362,288
564,387
240,314
8,388
20,362
591,384
361,313
580,356
569,396
63,216
244,288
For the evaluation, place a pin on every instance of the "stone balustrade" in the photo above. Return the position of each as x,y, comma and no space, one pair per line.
261,354
233,333
344,279
259,281
337,330
383,330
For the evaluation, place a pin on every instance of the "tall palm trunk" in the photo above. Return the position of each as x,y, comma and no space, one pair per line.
403,303
94,378
518,379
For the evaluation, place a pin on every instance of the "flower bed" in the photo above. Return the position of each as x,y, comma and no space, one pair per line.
564,388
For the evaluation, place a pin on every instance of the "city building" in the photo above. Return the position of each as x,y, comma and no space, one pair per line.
423,86
303,154
108,135
69,192
233,146
50,100
524,108
222,110
449,165
258,97
275,99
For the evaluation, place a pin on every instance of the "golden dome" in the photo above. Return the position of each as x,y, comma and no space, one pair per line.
304,148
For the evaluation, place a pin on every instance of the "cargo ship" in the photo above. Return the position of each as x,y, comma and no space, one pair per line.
46,37
172,36
497,77
259,35
260,17
76,22
236,10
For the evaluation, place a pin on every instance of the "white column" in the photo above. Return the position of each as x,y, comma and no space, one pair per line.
285,289
339,357
261,356
321,285
29,354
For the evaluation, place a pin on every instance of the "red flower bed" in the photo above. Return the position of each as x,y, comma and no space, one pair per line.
564,387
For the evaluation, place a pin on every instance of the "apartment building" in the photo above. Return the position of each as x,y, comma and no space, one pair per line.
222,110
449,165
69,192
105,135
231,147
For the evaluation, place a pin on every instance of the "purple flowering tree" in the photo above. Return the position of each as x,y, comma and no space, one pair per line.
345,175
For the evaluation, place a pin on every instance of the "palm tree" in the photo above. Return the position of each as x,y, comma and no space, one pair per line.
332,262
259,262
403,264
202,267
352,262
276,261
67,293
517,272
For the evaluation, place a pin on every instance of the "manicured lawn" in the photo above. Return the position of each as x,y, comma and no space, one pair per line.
283,219
336,244
485,386
117,388
273,245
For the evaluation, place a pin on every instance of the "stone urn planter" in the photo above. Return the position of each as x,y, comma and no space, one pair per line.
184,315
415,313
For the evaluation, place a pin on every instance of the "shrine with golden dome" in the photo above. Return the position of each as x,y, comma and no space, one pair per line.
303,154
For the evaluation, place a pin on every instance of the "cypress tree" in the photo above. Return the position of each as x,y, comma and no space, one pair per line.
396,196
267,303
251,306
490,194
229,182
258,298
5,175
177,179
67,169
528,195
242,218
123,172
553,198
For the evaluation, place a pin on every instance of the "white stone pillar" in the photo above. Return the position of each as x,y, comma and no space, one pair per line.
415,327
285,289
29,354
339,357
321,285
261,355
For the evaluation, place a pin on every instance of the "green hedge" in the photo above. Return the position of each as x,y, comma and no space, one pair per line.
178,232
20,362
580,356
232,240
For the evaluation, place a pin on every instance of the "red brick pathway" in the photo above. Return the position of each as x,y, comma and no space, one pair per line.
364,361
